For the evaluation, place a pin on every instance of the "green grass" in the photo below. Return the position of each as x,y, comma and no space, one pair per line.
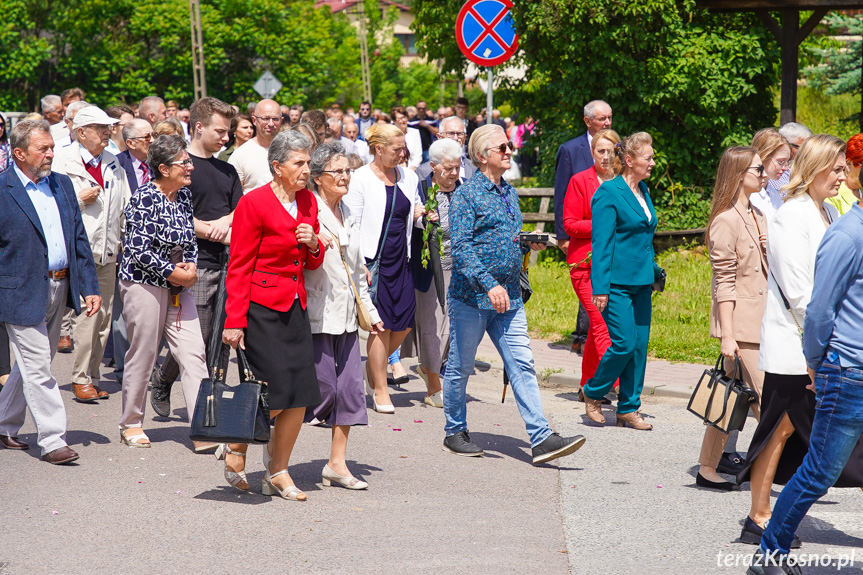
826,114
681,315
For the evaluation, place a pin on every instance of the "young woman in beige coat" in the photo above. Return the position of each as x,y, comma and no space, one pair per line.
736,239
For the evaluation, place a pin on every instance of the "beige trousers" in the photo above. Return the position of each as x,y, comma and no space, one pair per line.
91,333
149,315
714,440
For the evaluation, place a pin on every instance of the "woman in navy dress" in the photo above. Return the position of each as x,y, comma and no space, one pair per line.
383,197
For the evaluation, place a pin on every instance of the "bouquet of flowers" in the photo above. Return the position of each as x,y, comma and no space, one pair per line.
431,205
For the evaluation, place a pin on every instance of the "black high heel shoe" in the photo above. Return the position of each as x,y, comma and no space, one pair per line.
701,481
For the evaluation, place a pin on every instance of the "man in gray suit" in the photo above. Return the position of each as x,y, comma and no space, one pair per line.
453,128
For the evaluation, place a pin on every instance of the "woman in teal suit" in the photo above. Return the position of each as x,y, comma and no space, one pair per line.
622,271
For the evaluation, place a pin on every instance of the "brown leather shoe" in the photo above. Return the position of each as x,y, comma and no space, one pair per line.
84,392
60,456
634,420
593,408
10,442
101,393
65,344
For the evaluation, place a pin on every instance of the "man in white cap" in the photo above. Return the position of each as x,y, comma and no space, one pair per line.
102,189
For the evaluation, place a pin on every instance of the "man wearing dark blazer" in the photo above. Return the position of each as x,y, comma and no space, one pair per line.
46,265
138,134
573,157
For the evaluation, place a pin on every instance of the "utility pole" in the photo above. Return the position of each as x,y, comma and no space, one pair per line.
364,51
198,72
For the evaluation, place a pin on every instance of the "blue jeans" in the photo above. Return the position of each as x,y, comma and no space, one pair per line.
837,426
508,332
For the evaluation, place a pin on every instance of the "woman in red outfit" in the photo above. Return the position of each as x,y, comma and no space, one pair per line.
578,224
273,239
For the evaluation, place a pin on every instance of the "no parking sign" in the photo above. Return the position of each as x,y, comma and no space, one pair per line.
485,33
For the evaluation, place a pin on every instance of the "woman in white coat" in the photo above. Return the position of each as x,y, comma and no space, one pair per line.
332,312
781,439
384,200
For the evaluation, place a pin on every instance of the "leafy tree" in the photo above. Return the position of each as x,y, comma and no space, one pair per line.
839,70
696,81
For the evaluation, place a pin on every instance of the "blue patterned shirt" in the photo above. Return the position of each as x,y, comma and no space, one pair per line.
484,222
154,226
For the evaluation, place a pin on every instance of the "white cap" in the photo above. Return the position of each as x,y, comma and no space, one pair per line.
92,115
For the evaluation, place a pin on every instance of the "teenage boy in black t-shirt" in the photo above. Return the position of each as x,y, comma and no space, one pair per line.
216,190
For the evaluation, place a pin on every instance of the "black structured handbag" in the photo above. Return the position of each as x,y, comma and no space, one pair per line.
720,400
232,414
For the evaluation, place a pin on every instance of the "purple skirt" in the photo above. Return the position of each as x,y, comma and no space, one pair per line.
340,377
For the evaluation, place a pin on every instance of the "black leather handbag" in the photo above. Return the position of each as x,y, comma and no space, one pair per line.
232,414
720,400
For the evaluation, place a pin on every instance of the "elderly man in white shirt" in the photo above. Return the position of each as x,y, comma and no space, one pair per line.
250,159
103,192
352,132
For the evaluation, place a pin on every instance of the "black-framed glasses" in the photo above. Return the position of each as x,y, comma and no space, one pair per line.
759,168
338,173
503,147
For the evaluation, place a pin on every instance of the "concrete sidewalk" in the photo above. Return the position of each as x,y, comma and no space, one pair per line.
557,365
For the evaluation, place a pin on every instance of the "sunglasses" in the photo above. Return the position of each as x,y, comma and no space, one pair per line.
759,169
503,147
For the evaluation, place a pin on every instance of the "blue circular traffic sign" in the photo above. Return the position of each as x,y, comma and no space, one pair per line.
485,33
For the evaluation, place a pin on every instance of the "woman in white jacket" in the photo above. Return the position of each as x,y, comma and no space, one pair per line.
384,200
781,439
332,310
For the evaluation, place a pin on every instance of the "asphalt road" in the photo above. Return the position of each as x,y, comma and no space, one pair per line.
625,503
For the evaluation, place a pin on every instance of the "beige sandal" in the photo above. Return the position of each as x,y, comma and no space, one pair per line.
134,440
236,479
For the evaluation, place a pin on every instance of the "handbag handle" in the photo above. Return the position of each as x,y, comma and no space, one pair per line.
738,375
244,366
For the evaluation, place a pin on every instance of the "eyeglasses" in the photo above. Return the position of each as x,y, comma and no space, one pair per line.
338,173
100,128
503,147
148,137
185,163
759,169
269,119
453,135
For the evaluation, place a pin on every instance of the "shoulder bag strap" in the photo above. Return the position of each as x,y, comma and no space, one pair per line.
345,263
390,218
785,301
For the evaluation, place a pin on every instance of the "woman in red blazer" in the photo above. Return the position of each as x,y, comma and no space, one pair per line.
578,224
273,238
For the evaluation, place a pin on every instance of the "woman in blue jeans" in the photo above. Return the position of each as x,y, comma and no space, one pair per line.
622,271
485,297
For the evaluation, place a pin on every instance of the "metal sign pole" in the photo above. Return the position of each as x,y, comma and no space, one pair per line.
489,98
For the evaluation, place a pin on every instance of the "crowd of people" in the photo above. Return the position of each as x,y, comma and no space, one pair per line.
128,225
784,245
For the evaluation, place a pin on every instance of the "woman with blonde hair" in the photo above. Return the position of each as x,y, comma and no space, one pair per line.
736,239
578,223
383,198
781,439
621,274
168,127
775,153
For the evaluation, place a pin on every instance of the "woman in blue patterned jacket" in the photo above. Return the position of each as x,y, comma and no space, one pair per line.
159,265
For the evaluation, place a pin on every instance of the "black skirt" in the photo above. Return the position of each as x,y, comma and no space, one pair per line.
788,394
280,352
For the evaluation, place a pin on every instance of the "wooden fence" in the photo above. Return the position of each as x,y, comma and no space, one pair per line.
544,220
